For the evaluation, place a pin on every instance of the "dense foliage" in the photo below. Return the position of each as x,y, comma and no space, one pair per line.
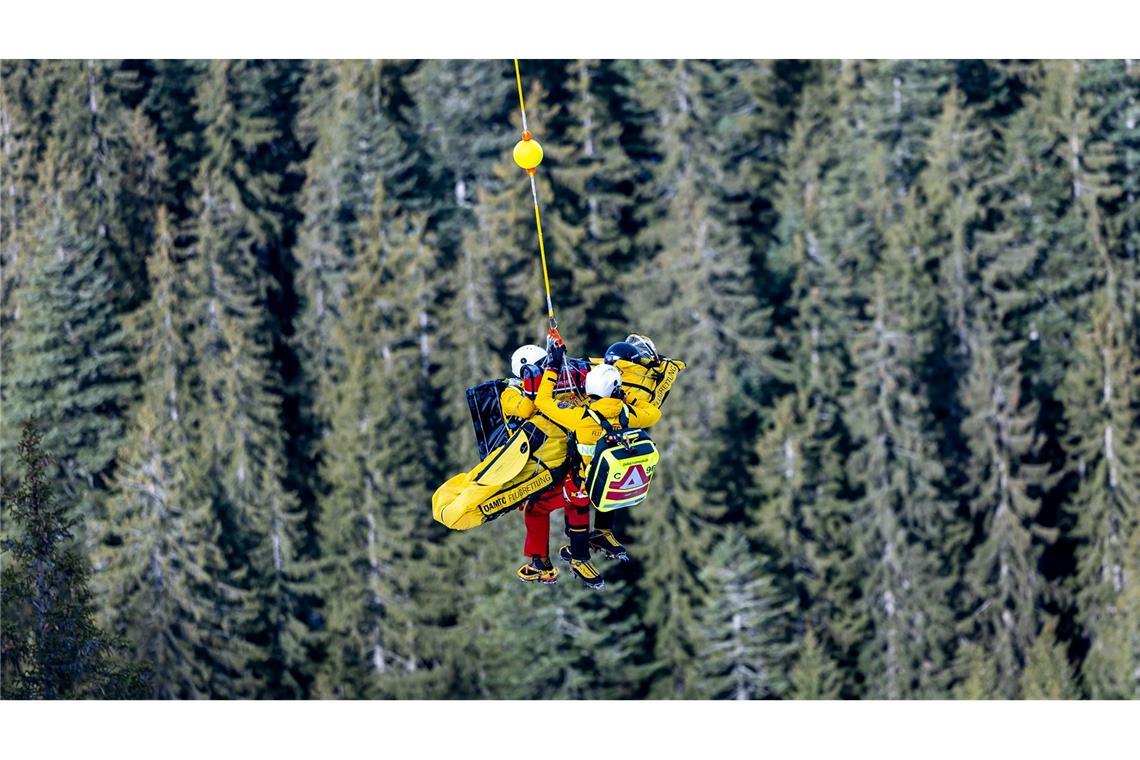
243,300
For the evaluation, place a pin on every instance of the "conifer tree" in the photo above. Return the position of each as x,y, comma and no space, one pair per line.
169,105
1104,450
1005,472
952,193
69,363
901,522
52,647
492,304
373,518
238,394
91,124
1059,163
162,578
19,150
979,677
690,285
461,110
355,144
591,177
517,641
741,642
815,675
1047,673
802,521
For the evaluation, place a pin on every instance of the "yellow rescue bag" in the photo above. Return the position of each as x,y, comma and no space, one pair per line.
506,477
648,380
504,462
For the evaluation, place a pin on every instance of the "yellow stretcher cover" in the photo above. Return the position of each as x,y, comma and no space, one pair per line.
508,475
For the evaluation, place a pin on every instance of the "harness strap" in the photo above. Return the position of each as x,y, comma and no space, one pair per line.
610,430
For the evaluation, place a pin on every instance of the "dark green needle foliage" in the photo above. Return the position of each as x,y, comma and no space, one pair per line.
243,300
52,647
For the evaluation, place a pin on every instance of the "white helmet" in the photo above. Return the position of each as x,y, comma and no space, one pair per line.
523,355
643,344
602,380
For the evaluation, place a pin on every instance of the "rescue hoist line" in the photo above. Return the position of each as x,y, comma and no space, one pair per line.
528,155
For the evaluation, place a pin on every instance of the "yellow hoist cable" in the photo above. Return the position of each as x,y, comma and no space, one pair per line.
528,155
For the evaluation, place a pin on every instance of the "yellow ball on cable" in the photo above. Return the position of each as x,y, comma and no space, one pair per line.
528,153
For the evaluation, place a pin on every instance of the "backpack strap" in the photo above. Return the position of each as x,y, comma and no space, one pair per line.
611,431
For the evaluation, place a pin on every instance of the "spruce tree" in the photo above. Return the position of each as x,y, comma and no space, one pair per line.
355,144
591,177
1101,443
814,675
462,111
169,105
1104,451
902,522
691,284
802,518
375,574
52,647
978,673
237,392
91,124
19,150
741,645
492,304
952,198
162,578
69,363
1005,473
1047,673
1058,161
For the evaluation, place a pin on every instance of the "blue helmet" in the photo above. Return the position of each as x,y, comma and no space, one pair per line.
622,351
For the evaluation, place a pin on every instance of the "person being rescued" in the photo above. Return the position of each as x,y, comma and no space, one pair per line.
529,463
646,377
603,387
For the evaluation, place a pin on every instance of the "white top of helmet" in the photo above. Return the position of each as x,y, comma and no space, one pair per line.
602,380
523,355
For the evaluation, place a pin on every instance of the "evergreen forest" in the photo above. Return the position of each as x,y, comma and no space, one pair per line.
242,300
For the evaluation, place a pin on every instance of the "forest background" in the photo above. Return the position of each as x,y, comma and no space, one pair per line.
242,299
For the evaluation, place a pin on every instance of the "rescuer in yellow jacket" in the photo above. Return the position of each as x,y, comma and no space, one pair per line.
514,471
603,387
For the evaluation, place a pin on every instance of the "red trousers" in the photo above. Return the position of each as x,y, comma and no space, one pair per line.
537,515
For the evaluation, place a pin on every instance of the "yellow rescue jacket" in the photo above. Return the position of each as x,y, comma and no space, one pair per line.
555,448
641,414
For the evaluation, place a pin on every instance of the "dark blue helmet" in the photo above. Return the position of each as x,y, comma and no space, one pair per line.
623,351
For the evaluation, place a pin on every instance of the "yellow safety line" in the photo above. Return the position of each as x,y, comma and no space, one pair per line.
542,251
522,105
537,215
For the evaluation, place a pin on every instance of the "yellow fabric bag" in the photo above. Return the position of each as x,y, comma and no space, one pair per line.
651,381
508,475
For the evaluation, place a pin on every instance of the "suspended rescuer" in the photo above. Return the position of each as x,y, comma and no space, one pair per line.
605,399
533,459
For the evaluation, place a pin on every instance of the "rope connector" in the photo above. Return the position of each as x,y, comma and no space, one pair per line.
526,135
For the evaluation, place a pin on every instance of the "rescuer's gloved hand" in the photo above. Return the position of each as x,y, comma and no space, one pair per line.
556,357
